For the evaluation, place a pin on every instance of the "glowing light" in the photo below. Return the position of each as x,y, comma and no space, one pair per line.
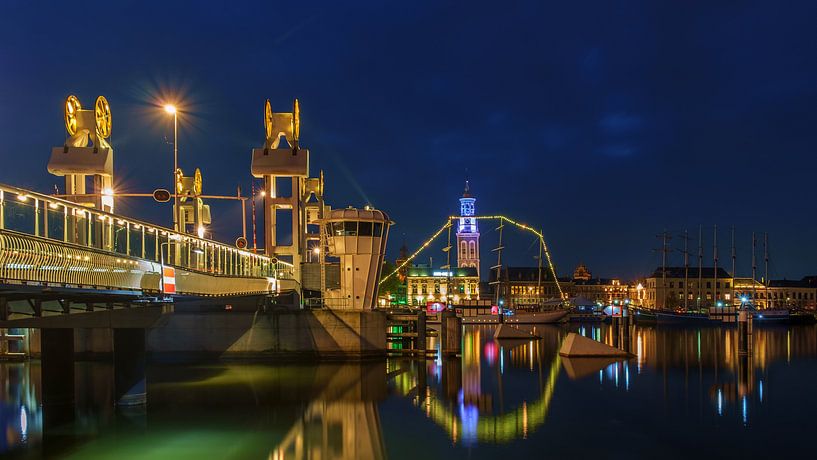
200,231
170,108
316,250
107,191
22,197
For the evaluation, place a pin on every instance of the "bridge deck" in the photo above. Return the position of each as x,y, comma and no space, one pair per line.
53,246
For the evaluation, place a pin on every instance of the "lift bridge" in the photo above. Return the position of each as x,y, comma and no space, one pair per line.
58,256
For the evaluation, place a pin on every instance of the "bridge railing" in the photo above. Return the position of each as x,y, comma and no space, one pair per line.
57,221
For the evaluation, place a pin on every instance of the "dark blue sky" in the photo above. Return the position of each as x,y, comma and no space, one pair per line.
601,122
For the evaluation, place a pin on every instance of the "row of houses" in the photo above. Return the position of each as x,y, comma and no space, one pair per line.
669,288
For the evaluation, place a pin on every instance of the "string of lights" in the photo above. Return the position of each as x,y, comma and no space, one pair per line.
447,225
417,252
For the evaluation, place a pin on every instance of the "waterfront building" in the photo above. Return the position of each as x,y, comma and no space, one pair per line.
668,288
792,293
467,232
604,290
526,287
783,293
429,285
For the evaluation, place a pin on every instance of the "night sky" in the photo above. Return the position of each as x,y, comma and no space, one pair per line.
602,122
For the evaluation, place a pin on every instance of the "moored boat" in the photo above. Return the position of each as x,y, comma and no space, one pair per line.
669,318
519,317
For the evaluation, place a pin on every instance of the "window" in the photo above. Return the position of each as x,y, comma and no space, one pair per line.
681,284
473,250
350,228
463,249
378,230
364,229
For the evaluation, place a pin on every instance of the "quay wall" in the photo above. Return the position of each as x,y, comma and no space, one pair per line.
200,332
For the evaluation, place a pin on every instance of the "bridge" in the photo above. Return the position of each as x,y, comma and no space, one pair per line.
75,276
55,254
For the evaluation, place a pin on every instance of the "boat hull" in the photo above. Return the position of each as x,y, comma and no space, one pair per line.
682,319
546,317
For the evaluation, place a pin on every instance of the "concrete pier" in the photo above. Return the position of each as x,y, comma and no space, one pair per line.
129,367
278,334
57,348
450,333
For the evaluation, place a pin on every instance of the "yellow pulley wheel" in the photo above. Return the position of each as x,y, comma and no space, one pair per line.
296,120
72,108
268,119
102,113
179,185
197,182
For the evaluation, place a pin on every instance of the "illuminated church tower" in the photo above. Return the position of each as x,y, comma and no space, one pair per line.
467,232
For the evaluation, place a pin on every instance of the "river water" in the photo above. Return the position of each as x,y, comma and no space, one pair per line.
686,393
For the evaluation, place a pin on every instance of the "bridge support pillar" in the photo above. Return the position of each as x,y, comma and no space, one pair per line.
130,385
57,358
450,333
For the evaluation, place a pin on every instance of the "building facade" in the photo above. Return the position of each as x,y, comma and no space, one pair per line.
528,287
600,290
432,285
679,287
467,232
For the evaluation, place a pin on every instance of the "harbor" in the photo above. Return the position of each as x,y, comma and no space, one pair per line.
517,397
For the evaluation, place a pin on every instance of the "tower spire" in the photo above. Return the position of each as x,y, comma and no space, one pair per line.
467,231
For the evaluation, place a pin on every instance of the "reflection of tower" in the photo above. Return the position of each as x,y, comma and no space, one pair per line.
467,232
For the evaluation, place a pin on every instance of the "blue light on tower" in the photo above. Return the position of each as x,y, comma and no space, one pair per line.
467,231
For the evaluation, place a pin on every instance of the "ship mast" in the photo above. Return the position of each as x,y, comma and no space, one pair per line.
664,250
754,268
766,263
700,262
734,255
686,270
715,269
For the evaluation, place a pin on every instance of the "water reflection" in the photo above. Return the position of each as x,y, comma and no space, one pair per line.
681,383
20,414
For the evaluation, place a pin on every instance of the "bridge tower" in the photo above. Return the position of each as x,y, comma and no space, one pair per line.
86,153
293,201
467,231
193,214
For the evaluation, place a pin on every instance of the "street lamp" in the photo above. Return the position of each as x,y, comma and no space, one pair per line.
171,109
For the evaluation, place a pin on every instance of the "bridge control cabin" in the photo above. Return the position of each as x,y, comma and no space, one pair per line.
48,241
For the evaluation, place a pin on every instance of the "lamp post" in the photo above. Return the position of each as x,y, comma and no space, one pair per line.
171,109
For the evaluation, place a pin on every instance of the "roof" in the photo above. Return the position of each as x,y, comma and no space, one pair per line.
530,274
679,272
366,214
803,283
458,272
596,282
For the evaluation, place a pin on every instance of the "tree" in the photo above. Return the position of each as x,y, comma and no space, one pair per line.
392,284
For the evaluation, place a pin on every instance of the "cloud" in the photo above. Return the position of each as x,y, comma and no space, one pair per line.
617,150
620,123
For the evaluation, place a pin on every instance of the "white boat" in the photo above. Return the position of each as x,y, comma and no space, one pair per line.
521,317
